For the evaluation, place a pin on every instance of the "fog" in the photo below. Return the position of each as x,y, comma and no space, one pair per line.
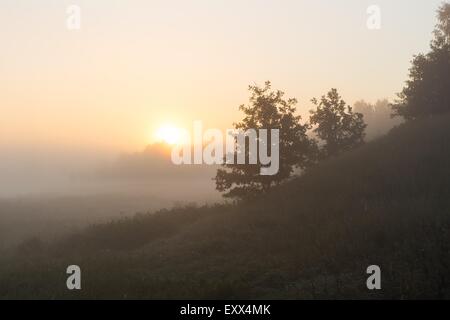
50,191
377,116
46,193
33,171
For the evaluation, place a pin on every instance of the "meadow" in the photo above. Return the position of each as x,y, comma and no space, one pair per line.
385,203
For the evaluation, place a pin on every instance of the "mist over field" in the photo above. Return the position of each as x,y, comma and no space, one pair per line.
45,192
49,193
225,149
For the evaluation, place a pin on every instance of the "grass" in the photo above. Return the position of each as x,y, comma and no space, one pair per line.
387,203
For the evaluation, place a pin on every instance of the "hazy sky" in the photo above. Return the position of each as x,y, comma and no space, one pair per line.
136,64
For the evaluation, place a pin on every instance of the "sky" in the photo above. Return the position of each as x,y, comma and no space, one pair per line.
138,64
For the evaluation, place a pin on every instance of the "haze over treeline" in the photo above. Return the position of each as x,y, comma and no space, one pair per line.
37,170
48,192
341,197
71,101
77,127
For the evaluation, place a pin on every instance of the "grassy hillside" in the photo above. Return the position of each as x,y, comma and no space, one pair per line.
387,203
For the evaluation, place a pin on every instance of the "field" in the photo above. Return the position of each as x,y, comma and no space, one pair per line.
386,203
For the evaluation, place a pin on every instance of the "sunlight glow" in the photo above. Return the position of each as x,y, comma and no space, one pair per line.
169,134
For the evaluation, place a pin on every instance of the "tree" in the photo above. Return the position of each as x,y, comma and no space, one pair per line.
267,109
442,29
427,90
336,124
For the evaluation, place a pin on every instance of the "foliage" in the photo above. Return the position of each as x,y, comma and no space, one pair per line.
336,124
267,109
427,90
307,238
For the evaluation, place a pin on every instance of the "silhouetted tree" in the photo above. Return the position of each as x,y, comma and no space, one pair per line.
427,90
267,109
336,124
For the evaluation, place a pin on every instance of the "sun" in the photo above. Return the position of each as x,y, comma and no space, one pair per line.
169,134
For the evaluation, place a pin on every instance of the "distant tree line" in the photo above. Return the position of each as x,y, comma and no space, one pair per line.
377,116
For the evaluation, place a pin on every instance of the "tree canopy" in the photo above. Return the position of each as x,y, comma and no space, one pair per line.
267,109
427,90
335,123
